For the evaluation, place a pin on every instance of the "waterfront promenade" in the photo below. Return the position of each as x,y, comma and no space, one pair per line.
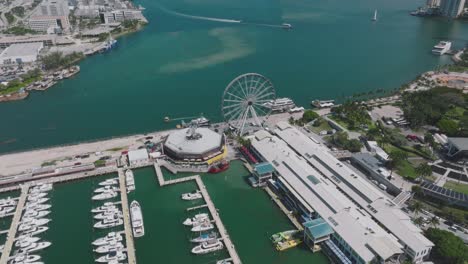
126,214
14,225
211,207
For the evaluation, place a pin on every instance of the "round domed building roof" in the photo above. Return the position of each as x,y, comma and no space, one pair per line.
193,143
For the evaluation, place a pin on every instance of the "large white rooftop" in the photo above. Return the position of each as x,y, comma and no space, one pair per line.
362,192
353,224
22,49
208,140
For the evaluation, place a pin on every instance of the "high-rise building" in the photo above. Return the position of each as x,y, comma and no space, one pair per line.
452,8
433,3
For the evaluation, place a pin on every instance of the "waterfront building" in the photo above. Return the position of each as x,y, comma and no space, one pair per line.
21,53
46,40
433,3
137,156
117,16
50,16
261,173
368,226
452,8
195,145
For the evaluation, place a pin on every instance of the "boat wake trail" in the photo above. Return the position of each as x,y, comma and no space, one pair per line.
262,25
222,20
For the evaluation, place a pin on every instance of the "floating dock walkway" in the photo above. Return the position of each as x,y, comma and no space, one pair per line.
197,207
209,203
128,229
14,224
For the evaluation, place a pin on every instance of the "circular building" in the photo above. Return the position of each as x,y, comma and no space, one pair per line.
195,145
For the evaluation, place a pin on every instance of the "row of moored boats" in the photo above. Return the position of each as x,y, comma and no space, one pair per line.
33,222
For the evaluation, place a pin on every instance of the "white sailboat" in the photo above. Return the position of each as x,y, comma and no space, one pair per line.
374,18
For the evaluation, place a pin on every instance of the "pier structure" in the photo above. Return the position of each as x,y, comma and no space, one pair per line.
283,208
126,214
196,207
14,224
211,207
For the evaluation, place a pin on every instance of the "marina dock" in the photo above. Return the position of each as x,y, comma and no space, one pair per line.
14,224
196,207
276,199
126,214
211,207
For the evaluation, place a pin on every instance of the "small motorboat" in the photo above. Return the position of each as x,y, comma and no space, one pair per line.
107,188
112,236
112,246
105,195
202,227
105,207
204,237
109,182
192,196
112,256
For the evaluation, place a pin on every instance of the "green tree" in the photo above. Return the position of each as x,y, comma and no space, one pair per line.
435,221
417,207
419,221
353,145
448,248
424,170
397,157
448,126
309,115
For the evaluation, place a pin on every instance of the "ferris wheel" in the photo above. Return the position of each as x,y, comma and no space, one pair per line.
247,101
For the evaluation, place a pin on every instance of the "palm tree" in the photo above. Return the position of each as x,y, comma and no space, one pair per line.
424,170
417,207
396,158
435,221
418,221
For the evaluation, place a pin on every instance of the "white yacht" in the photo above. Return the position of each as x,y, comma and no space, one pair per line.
109,222
33,247
110,247
107,188
25,258
26,241
103,208
7,201
37,207
112,256
208,246
204,237
105,195
108,214
36,196
442,47
112,236
280,104
129,180
45,187
31,223
38,200
196,219
35,214
201,121
202,227
109,182
6,210
224,261
34,231
137,219
192,196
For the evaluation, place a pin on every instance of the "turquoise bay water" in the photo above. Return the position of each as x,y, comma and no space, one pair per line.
179,66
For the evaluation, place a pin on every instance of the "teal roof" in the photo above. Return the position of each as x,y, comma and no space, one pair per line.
318,228
264,168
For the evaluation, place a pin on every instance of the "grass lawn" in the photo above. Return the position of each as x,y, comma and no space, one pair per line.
407,170
459,187
323,126
389,148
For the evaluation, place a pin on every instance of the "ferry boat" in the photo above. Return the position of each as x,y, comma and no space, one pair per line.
280,104
112,256
287,239
219,167
286,235
196,218
286,26
202,227
208,247
112,236
137,219
323,103
441,48
205,237
192,196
